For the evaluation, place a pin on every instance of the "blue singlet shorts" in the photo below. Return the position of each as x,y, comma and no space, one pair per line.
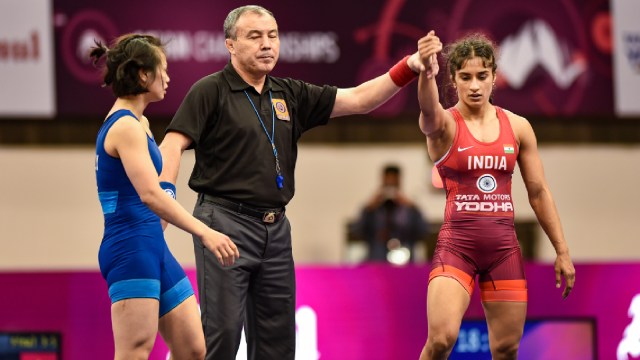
141,266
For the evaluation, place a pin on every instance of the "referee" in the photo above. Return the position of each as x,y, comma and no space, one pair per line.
244,126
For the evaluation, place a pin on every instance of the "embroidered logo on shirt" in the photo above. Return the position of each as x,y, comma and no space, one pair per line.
508,149
280,106
460,149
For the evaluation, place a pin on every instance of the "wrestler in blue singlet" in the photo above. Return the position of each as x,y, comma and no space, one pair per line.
134,257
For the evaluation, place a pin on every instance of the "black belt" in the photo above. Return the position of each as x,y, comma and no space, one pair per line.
268,216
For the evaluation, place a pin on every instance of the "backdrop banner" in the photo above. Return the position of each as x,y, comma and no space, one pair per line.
555,55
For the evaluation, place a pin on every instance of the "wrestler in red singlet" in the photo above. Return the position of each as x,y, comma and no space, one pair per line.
478,235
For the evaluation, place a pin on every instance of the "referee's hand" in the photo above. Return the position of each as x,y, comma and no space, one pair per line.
221,246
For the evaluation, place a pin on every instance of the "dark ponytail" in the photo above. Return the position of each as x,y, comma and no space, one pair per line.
128,55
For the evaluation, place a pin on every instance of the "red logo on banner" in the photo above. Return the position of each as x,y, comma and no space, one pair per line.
78,37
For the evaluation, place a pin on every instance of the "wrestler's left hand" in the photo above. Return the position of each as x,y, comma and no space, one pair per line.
564,268
428,47
221,246
419,62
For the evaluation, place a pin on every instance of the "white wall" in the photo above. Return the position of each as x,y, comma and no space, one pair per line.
50,217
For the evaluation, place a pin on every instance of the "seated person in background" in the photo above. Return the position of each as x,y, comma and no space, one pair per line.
390,223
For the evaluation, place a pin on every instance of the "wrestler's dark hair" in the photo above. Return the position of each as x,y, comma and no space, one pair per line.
127,56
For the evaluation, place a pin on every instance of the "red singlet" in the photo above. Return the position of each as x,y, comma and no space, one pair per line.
478,235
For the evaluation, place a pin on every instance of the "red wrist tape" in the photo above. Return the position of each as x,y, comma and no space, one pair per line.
401,73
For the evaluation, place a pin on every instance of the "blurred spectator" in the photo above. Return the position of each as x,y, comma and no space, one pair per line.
390,223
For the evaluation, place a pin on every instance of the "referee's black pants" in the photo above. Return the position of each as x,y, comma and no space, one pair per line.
258,291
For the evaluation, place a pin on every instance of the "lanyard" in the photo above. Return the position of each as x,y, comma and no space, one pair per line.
272,137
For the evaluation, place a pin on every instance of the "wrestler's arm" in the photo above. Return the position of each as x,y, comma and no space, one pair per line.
173,146
542,201
435,122
128,141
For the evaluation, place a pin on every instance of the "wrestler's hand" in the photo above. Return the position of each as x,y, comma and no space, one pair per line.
221,246
428,47
564,268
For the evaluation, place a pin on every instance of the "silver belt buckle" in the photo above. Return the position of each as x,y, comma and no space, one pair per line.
269,217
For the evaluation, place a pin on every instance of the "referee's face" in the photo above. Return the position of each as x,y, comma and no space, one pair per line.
256,47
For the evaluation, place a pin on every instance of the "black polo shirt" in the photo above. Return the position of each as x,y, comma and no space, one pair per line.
234,157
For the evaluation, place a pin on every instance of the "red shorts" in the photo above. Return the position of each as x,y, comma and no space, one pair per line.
487,249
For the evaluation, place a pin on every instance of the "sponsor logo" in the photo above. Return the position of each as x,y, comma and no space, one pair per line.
487,202
484,203
460,149
485,197
484,206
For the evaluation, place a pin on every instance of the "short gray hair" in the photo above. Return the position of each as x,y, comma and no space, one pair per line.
234,15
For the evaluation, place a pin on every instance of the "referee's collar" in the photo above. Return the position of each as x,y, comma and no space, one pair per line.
238,84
